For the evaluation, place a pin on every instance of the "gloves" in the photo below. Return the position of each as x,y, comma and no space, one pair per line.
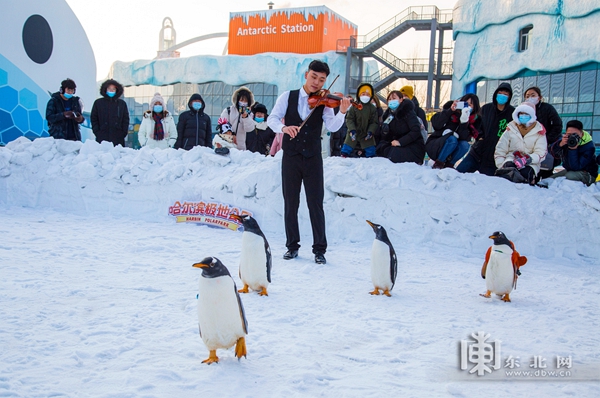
447,131
369,136
353,135
464,115
521,159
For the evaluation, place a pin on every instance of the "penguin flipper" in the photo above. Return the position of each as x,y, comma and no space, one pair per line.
241,308
393,266
199,331
269,259
485,263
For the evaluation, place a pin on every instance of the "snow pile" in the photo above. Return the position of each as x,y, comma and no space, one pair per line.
421,206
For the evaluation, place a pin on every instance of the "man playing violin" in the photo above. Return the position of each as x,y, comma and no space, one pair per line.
302,162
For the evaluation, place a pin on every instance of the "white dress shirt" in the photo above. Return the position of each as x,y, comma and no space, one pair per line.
332,121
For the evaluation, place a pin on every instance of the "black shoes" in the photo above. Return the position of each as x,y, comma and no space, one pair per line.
290,254
320,258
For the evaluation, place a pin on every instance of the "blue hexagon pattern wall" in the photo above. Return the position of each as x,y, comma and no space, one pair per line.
20,103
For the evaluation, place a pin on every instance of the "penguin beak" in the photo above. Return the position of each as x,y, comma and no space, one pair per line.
493,236
372,225
200,265
237,217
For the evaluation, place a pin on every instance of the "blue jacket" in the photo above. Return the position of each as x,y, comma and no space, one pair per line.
579,159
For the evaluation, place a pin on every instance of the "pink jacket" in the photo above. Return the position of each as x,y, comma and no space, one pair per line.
276,145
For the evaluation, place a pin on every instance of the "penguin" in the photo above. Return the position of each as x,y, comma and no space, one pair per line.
221,318
384,265
501,267
255,260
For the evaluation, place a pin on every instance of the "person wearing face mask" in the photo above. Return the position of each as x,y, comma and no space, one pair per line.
239,115
401,139
110,116
522,147
158,128
495,116
408,91
453,128
194,125
260,139
64,113
546,114
361,124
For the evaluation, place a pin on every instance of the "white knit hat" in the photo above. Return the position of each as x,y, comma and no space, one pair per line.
158,99
525,107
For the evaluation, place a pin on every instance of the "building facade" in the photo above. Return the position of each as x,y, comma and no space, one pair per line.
543,43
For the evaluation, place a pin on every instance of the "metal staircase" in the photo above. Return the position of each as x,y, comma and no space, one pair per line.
434,68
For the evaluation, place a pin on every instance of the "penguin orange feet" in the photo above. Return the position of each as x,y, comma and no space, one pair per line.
244,289
263,292
240,348
212,358
505,298
387,293
375,292
487,294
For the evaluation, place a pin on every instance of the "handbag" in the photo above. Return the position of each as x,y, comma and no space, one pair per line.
547,163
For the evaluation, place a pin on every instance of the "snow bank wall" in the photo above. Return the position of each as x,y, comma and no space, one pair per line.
424,208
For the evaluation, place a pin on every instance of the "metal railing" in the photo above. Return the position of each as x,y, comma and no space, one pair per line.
410,14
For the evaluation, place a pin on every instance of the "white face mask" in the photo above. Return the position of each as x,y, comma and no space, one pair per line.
364,99
242,103
533,100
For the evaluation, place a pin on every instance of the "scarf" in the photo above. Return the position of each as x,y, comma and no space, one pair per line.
473,132
524,129
159,133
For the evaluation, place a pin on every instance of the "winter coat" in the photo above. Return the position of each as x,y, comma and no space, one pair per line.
362,121
240,125
260,139
194,127
276,145
547,115
58,124
449,120
493,124
406,129
578,159
533,144
146,132
110,116
420,113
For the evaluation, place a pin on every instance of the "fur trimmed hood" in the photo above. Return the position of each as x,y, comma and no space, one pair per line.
107,83
235,97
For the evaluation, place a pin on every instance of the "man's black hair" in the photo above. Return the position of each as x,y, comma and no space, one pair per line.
576,124
319,66
67,84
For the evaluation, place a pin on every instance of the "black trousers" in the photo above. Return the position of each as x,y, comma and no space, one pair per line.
295,171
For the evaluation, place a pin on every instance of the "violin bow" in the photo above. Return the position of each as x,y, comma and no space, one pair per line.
313,109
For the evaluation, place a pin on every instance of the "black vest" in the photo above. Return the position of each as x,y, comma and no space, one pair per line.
308,140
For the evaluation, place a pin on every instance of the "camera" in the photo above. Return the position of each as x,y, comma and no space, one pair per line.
462,104
244,109
573,140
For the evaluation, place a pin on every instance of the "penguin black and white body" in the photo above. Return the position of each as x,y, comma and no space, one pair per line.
501,267
255,259
384,264
221,318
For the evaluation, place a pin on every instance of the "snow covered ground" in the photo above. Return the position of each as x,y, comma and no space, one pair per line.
98,293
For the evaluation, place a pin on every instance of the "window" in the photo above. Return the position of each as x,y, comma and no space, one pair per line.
524,37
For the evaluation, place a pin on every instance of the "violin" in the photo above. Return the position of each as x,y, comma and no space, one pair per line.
325,98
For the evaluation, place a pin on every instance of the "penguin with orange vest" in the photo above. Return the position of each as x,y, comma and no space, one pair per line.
501,267
221,319
384,264
255,258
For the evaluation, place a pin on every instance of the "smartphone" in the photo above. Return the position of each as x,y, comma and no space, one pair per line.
462,104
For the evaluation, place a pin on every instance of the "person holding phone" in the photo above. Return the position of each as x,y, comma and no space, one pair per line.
64,112
239,115
454,126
